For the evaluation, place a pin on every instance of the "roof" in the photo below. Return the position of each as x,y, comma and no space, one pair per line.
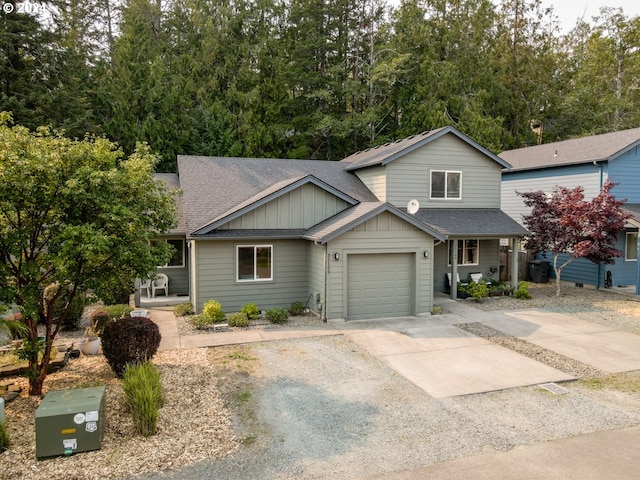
471,222
383,154
352,217
595,148
215,186
172,182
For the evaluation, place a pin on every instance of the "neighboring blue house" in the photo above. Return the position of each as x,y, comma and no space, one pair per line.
586,162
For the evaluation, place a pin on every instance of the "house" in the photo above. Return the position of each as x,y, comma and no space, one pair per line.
371,236
585,162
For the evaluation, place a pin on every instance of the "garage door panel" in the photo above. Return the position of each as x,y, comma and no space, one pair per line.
379,285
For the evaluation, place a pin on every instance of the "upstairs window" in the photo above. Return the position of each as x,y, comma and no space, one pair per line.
254,263
446,185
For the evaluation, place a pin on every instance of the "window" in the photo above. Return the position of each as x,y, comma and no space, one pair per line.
254,263
631,248
177,258
446,184
467,252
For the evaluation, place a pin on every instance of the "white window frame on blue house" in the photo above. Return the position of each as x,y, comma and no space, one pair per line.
242,275
631,247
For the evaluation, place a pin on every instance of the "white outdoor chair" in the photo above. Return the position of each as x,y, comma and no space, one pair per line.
476,277
161,282
464,284
146,285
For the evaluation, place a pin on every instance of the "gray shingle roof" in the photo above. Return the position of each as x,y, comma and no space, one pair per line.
172,182
215,185
476,222
603,147
383,154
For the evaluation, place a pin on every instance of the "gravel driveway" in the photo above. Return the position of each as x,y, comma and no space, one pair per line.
325,408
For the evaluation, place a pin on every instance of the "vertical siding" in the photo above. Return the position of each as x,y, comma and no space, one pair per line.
383,234
375,179
408,177
215,277
488,257
300,208
625,170
586,176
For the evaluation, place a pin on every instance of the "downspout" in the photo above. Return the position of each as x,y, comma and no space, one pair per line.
326,277
595,162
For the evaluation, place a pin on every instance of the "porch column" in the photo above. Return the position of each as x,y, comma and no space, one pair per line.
453,244
638,269
514,262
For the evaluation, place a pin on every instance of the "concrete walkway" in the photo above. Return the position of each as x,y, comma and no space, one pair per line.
444,360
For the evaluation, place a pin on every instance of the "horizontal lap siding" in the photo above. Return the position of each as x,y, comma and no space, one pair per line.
408,177
375,180
383,234
216,276
178,279
488,257
625,170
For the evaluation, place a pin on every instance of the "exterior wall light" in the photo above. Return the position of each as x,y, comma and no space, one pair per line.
425,254
336,256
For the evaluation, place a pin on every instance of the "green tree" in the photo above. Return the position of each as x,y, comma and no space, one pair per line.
74,216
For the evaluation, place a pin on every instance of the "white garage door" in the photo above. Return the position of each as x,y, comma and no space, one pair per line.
379,285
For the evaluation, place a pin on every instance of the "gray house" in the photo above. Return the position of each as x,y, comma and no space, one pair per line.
587,162
371,236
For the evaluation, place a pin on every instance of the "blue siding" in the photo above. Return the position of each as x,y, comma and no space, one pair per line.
625,170
579,271
563,171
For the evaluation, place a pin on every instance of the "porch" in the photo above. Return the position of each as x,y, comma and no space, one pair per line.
143,301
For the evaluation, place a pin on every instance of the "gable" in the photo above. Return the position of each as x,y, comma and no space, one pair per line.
300,208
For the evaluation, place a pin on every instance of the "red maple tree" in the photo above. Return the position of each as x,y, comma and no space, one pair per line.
565,223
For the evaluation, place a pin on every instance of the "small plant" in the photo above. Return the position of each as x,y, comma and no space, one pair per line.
99,319
213,310
238,319
200,321
143,390
522,292
5,442
278,315
183,309
478,290
296,308
251,310
129,340
436,310
118,311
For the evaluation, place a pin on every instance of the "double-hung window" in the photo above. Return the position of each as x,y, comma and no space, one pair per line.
631,249
446,185
254,263
467,252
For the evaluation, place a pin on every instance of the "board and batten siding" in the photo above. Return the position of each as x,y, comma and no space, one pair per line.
301,208
408,177
376,180
625,170
216,271
383,234
584,175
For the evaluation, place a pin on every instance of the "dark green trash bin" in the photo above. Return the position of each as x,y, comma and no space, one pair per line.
538,271
70,421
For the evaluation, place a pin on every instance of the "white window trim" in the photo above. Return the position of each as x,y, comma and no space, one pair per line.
463,249
446,174
626,247
254,279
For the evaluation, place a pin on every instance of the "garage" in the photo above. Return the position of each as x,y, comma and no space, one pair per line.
379,285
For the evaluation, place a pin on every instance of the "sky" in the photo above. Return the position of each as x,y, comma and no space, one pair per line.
568,11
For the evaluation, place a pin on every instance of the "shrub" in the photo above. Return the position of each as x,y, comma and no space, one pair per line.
522,292
143,390
213,310
251,310
478,290
183,309
99,319
296,308
129,340
277,315
200,321
118,310
238,319
5,442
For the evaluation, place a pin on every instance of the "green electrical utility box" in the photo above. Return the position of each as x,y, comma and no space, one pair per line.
70,421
